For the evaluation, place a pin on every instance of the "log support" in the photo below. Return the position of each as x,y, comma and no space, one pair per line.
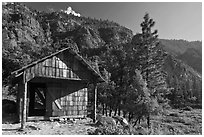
95,102
24,104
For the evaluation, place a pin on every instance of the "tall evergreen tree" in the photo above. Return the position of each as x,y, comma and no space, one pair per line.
150,57
127,85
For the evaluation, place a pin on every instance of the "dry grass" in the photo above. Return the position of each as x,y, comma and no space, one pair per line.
174,122
178,123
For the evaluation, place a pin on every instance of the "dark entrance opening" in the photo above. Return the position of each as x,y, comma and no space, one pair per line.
37,104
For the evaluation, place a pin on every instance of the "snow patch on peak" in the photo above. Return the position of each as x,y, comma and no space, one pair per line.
70,11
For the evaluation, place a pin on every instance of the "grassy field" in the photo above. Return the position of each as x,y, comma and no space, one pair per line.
177,122
174,122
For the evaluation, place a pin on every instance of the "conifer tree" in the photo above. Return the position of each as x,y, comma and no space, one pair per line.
150,57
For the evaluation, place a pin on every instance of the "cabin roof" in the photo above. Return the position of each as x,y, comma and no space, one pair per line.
76,55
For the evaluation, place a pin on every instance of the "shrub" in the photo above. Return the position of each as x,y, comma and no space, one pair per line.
187,108
108,130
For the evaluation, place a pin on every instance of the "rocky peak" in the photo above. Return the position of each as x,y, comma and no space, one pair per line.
70,11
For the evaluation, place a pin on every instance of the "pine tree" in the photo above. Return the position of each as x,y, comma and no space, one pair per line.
150,57
126,82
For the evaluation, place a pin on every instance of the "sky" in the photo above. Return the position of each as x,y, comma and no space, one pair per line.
174,20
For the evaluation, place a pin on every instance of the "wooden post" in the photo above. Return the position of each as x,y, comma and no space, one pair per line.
24,105
95,101
18,102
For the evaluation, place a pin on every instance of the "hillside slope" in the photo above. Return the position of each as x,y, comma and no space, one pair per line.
29,35
185,81
188,52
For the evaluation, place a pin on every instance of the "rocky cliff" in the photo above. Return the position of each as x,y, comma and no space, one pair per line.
28,35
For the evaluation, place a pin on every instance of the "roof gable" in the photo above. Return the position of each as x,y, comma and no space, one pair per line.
62,64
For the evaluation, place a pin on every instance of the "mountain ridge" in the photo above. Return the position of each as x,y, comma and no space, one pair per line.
29,35
188,52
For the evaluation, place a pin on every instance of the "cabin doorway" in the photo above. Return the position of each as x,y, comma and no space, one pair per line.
37,103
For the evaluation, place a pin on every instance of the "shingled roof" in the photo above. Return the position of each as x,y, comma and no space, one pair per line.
18,72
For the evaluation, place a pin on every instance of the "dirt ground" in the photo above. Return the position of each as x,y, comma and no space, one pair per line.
78,127
175,122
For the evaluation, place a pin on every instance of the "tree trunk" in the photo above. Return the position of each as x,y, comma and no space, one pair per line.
124,113
103,109
130,116
110,112
119,110
115,111
106,110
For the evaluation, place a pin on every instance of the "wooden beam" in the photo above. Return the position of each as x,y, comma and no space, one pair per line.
40,95
17,75
24,106
95,101
18,102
